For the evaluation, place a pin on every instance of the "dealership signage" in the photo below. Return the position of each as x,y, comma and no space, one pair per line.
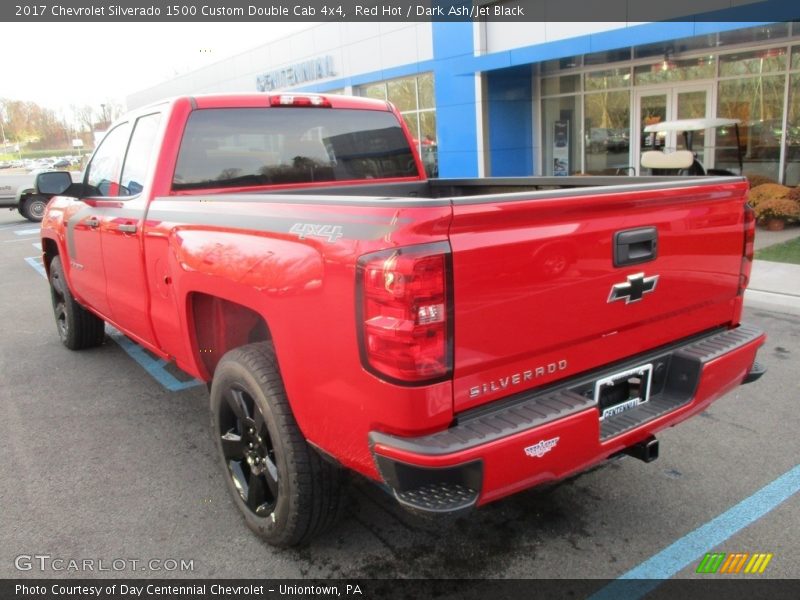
309,70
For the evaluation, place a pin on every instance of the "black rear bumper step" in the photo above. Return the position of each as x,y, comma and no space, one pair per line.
756,371
676,375
438,498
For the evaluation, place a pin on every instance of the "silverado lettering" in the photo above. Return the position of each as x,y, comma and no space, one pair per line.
517,378
196,232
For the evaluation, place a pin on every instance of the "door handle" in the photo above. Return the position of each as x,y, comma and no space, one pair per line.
127,228
635,246
93,222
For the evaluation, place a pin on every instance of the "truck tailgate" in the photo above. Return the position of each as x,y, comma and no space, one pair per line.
538,296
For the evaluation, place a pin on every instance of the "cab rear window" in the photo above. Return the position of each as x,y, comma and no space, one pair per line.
235,147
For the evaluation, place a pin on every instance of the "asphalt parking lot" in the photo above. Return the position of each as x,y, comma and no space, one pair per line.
103,459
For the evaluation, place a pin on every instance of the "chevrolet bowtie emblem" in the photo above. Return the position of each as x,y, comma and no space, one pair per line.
634,289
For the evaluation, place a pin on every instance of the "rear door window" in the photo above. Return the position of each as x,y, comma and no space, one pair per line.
102,174
139,155
272,146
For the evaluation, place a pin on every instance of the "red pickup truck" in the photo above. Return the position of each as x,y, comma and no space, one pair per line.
455,340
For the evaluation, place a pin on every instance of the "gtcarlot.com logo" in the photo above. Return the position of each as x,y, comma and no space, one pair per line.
46,562
734,563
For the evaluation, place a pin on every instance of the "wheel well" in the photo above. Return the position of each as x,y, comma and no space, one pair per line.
221,325
49,251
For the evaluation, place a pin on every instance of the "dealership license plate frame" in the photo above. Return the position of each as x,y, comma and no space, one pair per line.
644,372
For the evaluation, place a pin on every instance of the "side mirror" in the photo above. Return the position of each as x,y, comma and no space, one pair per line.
53,183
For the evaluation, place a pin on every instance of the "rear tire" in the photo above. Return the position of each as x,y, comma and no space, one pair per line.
33,208
285,491
77,327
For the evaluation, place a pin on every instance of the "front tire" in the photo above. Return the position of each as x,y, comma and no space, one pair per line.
77,327
33,208
285,491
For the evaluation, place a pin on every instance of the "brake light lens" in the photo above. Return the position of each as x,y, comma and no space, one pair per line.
405,313
747,251
295,100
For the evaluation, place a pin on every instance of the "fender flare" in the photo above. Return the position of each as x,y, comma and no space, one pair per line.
22,193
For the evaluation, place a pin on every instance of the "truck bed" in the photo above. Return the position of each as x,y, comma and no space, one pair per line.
456,189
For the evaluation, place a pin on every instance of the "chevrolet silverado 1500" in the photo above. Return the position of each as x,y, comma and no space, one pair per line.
455,340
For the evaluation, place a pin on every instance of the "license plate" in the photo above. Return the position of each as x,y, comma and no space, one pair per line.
623,391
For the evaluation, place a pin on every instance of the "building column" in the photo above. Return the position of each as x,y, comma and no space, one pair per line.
457,131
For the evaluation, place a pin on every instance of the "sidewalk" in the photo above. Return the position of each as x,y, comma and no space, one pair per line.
774,286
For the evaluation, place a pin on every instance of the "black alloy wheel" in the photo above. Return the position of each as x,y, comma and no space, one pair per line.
283,488
248,450
58,294
77,327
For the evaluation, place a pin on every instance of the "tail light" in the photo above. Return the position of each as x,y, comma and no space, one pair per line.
747,251
404,312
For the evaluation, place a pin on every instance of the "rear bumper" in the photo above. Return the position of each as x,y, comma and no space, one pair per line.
533,438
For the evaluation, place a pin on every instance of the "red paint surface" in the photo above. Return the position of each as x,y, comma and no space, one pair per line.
530,277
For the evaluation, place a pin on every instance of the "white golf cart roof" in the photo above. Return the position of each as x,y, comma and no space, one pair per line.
689,125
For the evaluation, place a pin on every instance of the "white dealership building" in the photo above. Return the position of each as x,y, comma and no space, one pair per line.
521,98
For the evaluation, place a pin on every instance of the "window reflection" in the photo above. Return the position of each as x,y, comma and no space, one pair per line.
607,132
793,132
758,103
414,98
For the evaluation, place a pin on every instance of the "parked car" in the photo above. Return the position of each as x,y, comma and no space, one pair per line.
17,192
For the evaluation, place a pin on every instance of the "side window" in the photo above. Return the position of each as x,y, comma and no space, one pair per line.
140,152
102,174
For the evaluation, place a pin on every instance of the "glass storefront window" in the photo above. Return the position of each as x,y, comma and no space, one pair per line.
559,64
750,83
690,44
607,127
561,122
754,34
403,94
566,84
426,98
427,141
601,58
669,70
377,91
792,174
412,121
752,63
608,79
758,103
414,98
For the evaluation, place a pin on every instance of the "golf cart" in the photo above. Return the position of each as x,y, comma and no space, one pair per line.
684,162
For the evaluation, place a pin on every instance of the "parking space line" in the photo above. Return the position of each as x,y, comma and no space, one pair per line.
155,367
36,263
33,231
685,551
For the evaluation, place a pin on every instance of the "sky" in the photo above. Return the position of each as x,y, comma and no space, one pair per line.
61,64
